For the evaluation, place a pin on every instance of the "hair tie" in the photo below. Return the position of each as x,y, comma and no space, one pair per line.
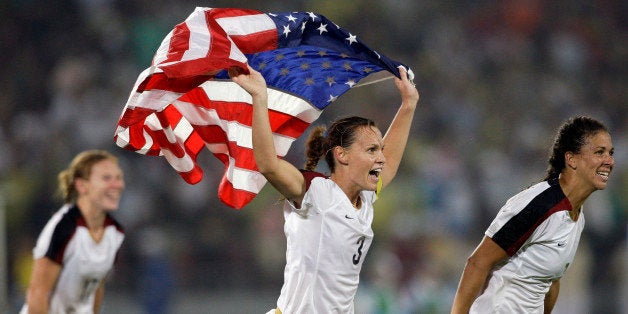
325,134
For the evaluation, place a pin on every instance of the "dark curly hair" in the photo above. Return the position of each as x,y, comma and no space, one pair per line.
570,137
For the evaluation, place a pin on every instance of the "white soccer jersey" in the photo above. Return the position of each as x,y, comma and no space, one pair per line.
66,240
536,230
327,240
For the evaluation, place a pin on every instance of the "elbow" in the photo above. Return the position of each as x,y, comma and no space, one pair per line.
264,163
267,166
478,264
472,261
264,168
265,160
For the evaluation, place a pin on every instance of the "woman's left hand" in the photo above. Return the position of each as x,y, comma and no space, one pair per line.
407,89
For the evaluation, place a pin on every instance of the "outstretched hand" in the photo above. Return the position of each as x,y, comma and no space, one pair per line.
407,89
254,83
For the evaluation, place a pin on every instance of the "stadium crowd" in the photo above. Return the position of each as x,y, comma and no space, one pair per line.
496,78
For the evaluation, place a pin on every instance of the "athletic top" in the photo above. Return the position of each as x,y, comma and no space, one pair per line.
537,232
327,239
66,240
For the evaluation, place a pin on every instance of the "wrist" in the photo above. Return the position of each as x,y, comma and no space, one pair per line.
260,99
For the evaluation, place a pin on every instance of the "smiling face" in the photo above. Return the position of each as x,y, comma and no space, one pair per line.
365,158
103,189
594,163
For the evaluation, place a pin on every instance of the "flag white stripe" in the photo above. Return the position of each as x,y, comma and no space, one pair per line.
199,41
243,179
236,132
246,24
218,148
292,105
162,51
183,164
147,145
277,100
236,54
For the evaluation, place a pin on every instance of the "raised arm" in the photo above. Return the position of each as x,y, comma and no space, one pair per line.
475,273
397,135
285,177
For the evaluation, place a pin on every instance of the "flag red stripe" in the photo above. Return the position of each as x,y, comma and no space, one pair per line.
218,13
243,156
220,45
281,123
217,57
161,82
132,116
257,42
233,197
250,43
193,145
179,42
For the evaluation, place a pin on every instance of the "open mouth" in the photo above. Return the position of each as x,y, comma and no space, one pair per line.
603,174
113,196
374,174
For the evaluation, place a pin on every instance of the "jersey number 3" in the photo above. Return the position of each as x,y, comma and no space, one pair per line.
357,256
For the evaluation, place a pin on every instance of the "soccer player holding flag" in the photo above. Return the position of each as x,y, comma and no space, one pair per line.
245,85
328,218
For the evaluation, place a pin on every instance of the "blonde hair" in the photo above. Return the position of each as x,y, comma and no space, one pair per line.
80,167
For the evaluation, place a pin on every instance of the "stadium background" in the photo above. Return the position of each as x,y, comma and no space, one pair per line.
496,78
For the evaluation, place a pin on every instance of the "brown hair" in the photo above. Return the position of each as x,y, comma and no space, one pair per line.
570,137
340,133
80,167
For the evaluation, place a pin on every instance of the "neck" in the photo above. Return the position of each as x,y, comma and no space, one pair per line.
576,194
574,214
352,194
356,202
94,218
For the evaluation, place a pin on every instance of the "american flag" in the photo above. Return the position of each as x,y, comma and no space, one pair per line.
185,100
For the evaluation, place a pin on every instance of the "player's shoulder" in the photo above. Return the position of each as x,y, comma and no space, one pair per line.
310,176
65,218
112,221
543,194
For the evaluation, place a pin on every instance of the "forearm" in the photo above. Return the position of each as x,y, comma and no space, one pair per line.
262,139
281,174
551,297
397,134
396,139
99,297
471,284
43,281
37,302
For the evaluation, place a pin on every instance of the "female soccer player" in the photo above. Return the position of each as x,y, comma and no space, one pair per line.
78,245
328,218
528,247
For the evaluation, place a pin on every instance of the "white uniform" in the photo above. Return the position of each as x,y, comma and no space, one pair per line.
66,240
327,240
536,230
